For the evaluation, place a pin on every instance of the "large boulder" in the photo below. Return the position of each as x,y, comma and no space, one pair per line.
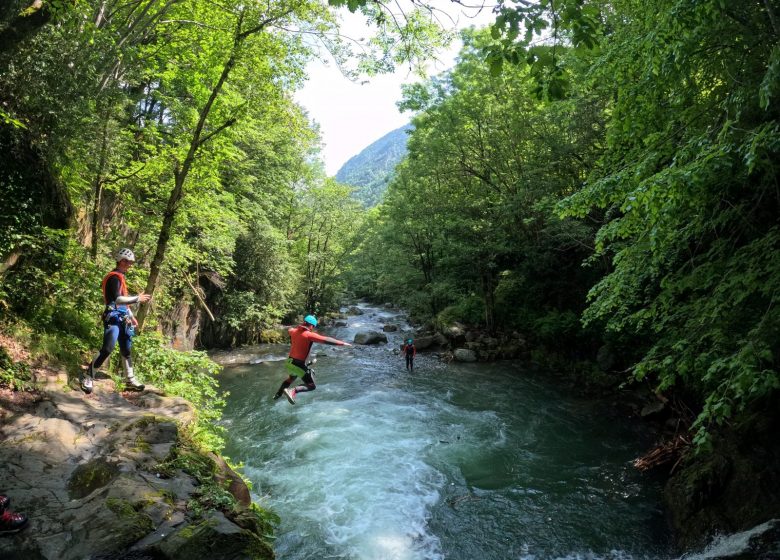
354,310
390,328
465,355
431,342
456,333
370,337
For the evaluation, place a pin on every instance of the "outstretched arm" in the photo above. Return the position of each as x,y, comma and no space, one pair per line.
314,337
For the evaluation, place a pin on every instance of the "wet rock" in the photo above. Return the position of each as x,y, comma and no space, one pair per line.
390,328
465,355
652,409
228,479
605,358
370,337
90,476
423,342
354,310
456,333
213,537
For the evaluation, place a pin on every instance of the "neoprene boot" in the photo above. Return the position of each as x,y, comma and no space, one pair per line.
131,383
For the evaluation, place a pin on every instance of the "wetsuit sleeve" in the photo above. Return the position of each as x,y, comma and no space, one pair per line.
113,288
314,337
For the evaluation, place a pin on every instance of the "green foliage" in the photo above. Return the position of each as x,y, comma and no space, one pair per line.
14,375
466,228
191,375
688,182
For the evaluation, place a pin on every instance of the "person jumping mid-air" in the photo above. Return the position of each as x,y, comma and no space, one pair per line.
301,339
118,322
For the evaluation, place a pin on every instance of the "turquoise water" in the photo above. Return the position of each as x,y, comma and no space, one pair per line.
458,461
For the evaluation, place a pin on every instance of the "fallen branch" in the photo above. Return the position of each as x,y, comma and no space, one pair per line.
663,453
200,299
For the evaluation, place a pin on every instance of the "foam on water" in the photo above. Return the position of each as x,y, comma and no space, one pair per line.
377,464
355,473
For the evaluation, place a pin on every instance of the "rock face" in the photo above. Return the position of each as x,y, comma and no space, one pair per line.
733,488
370,337
83,470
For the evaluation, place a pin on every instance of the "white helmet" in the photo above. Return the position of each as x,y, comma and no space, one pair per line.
125,254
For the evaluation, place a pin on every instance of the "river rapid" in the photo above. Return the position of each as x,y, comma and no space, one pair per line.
456,461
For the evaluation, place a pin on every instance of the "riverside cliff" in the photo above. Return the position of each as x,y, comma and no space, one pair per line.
112,475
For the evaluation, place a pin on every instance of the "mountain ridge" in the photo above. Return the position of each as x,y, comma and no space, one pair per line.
372,169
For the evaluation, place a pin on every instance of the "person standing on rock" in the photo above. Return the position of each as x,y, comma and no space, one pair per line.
118,323
301,339
410,352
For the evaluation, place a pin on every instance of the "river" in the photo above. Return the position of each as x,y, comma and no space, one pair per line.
456,461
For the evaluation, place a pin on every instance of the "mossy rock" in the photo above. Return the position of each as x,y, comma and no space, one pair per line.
215,538
135,524
90,476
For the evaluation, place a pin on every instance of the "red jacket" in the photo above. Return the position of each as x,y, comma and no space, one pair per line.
301,339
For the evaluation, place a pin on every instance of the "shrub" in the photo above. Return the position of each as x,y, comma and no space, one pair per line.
190,375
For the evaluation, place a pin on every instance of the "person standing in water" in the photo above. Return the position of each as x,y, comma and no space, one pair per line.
118,323
410,352
301,339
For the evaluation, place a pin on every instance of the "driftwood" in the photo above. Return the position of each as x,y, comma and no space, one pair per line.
662,453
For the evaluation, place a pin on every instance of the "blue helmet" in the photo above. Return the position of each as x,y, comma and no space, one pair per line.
311,319
409,341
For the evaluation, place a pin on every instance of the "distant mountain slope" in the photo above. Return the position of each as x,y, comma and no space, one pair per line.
372,169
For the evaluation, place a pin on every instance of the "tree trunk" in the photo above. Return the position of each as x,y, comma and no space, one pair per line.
489,300
162,241
180,177
98,186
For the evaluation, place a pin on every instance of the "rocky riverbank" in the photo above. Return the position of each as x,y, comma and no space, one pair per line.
110,475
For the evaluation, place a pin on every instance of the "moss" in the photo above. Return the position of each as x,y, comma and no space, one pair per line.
134,523
212,538
168,496
90,476
141,445
146,421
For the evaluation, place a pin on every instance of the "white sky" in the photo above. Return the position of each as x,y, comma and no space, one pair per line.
353,115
